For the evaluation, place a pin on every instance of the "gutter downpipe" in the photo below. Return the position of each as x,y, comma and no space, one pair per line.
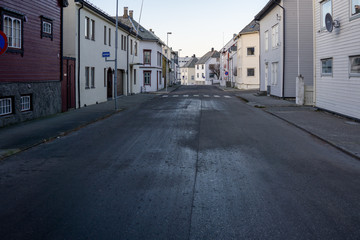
127,64
61,45
79,102
314,58
283,70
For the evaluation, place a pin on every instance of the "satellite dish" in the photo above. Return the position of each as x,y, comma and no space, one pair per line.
329,23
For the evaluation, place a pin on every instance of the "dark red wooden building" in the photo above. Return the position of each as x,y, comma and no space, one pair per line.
31,70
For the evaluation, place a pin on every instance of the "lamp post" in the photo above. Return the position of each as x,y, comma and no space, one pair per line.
116,52
167,54
179,75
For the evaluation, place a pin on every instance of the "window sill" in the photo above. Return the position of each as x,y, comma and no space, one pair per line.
87,88
356,75
326,75
353,17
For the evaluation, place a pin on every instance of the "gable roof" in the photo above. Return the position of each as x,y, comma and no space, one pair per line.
254,26
207,56
191,63
268,7
143,33
98,11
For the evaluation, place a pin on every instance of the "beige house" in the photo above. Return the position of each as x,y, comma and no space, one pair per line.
248,72
188,72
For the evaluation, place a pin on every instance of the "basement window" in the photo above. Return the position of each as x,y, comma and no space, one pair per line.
5,106
25,103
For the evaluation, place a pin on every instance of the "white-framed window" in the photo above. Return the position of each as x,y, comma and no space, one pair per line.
12,29
92,29
105,33
326,7
47,27
193,77
250,51
5,106
275,36
327,67
274,73
92,77
134,76
355,7
355,65
87,25
251,72
267,41
147,77
89,28
87,77
197,75
147,57
109,36
136,48
25,103
202,66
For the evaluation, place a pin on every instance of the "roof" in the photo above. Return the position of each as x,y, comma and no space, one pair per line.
254,26
191,63
268,7
97,10
143,33
207,56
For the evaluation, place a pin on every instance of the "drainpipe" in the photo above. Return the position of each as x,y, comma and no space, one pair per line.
79,102
61,43
314,59
283,78
127,64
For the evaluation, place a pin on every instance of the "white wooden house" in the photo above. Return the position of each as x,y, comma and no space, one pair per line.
279,46
203,73
337,57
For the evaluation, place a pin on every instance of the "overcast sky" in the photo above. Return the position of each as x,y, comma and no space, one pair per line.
196,25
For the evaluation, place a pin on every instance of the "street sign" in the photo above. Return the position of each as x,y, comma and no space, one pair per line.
3,43
106,54
226,73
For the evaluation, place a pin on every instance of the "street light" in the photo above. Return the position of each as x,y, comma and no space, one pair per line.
167,55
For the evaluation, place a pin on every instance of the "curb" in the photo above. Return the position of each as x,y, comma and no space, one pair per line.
316,136
11,152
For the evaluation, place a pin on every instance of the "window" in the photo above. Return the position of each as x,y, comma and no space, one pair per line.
202,66
147,77
12,29
327,67
87,30
92,77
147,56
136,48
25,103
105,33
87,78
159,59
134,76
275,36
355,7
251,72
212,75
274,75
46,27
197,66
105,76
197,75
131,47
109,36
355,65
251,51
5,106
192,77
267,41
123,41
92,29
326,7
203,75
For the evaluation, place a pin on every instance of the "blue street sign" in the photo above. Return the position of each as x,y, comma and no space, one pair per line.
106,54
226,73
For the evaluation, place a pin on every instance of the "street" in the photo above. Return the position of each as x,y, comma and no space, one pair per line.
197,163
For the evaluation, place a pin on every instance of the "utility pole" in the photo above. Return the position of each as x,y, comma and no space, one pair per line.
116,52
167,45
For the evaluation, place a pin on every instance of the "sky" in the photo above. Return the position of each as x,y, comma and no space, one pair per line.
196,25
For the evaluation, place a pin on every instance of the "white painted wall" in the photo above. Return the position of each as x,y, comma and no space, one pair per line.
340,92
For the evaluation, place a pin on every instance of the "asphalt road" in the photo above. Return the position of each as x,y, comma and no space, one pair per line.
194,164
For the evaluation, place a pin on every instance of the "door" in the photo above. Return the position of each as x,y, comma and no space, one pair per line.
109,82
68,84
120,82
266,76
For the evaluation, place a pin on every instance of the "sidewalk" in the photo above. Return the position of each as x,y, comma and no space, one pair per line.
22,136
340,132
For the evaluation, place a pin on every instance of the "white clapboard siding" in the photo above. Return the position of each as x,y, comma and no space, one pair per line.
338,93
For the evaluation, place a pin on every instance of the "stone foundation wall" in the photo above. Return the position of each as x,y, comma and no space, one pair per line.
45,100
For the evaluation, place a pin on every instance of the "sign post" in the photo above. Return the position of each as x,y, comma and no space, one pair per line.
3,43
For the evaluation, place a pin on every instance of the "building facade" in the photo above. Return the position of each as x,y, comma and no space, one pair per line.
279,46
207,69
30,83
248,54
188,72
337,57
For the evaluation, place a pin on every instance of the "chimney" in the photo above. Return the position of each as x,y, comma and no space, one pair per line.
212,49
126,12
194,56
131,13
151,30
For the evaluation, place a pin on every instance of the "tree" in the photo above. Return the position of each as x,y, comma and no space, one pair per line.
215,69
